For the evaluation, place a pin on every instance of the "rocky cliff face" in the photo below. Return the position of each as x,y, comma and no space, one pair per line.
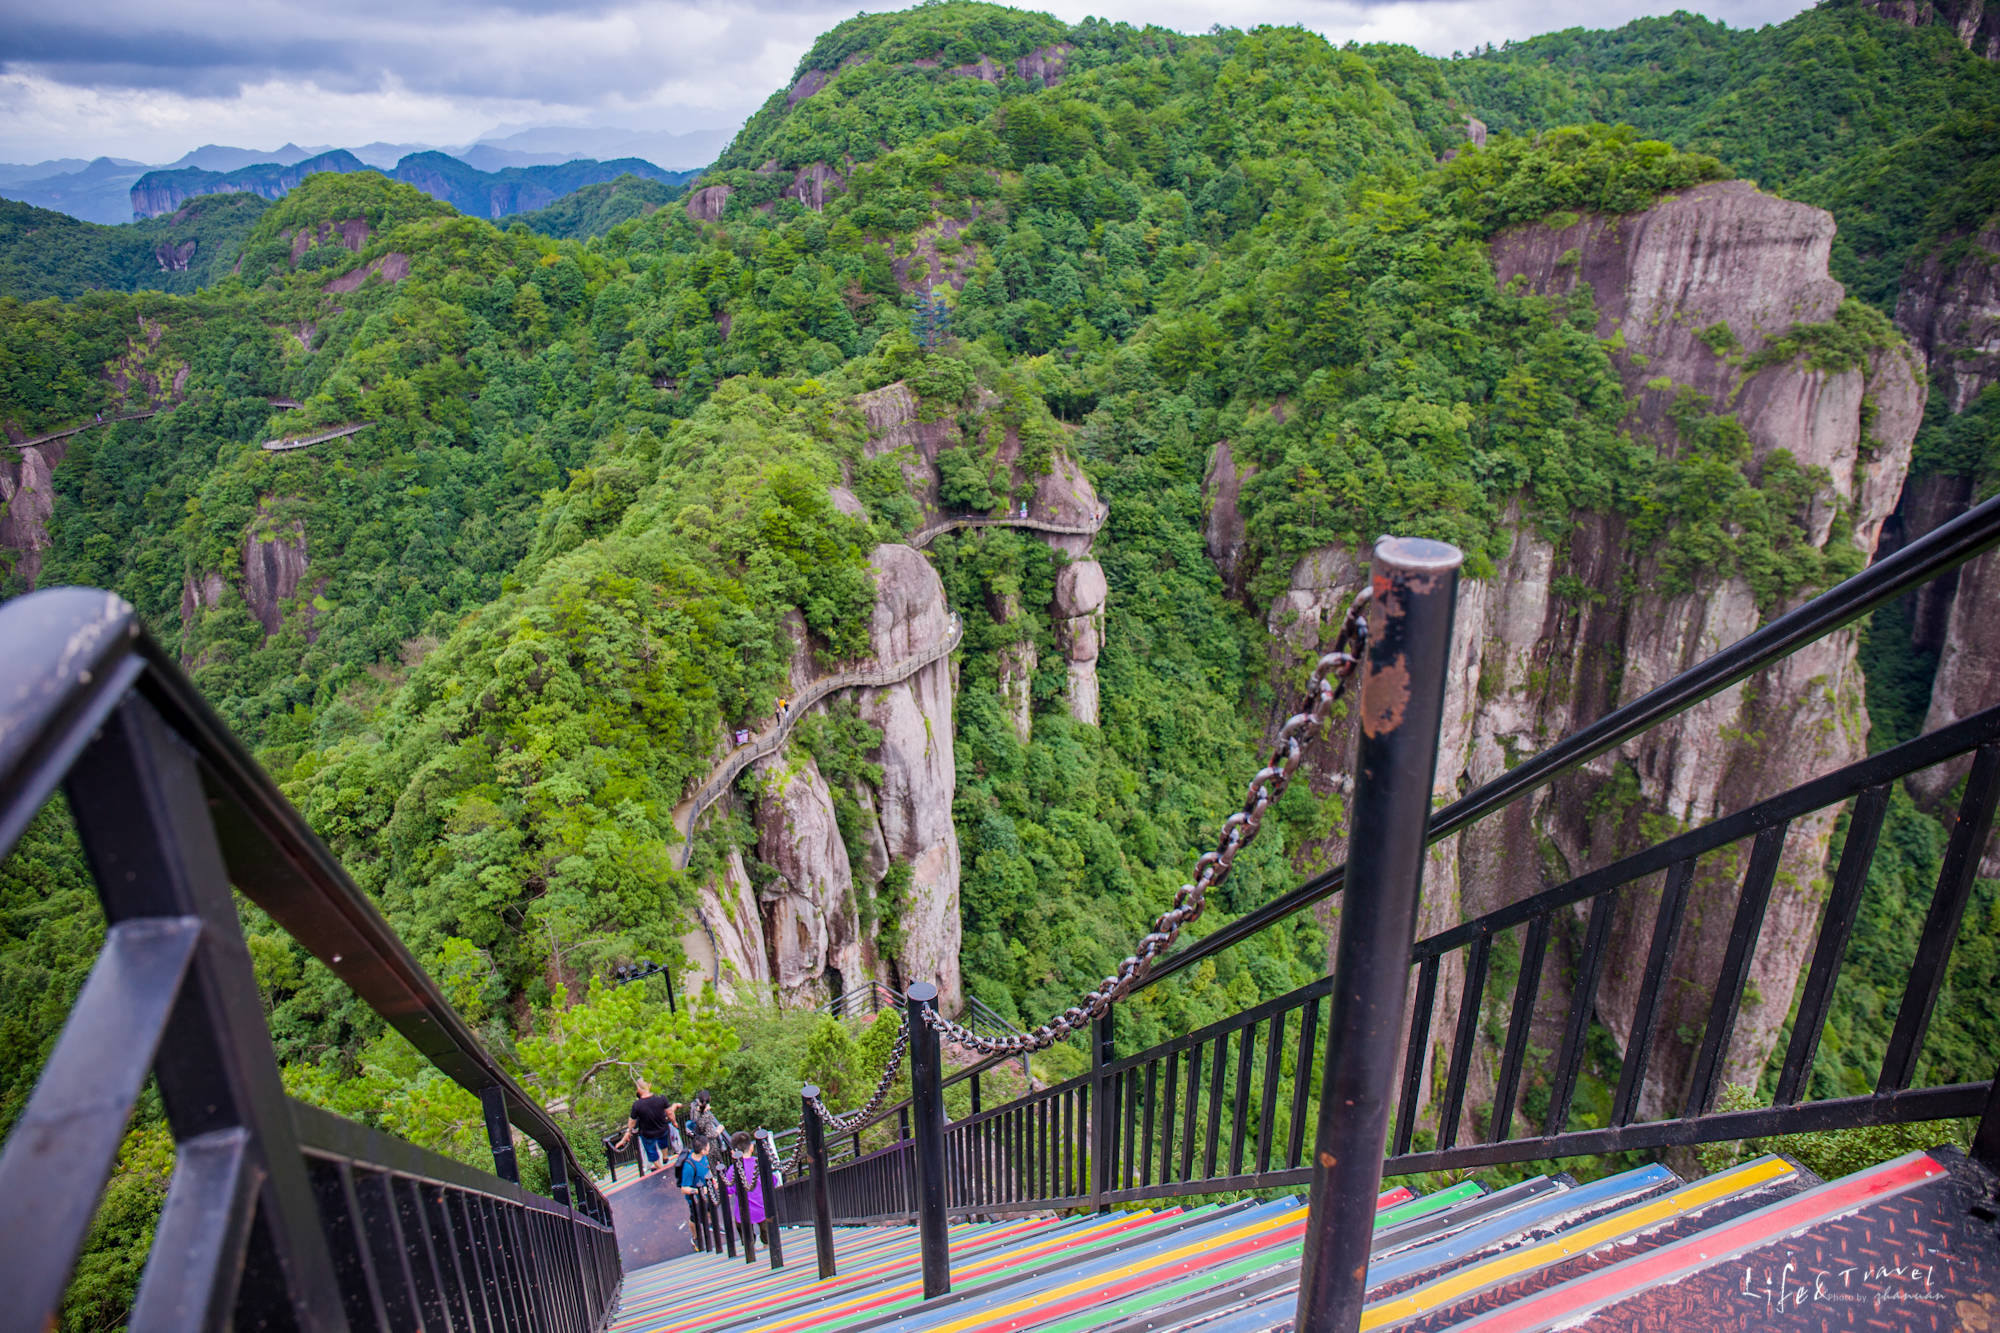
1530,664
27,498
802,929
1062,496
1950,307
809,922
1976,22
912,806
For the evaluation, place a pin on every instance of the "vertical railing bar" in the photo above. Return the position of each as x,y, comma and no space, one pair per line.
408,1195
1146,1136
1765,854
1302,1081
1104,1118
1962,855
471,1300
1533,950
1189,1113
349,1203
399,1244
1413,1054
1470,1003
1267,1103
1667,924
1171,1080
1239,1111
1582,1006
1401,674
1218,1075
1836,928
1129,1094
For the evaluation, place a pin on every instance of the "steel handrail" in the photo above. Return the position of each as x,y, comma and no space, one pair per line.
74,653
1943,549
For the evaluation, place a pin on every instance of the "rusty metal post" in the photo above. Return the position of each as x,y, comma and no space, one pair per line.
816,1163
1401,701
767,1159
927,1105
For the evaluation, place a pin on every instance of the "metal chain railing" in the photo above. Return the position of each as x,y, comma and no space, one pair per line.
853,1120
1329,683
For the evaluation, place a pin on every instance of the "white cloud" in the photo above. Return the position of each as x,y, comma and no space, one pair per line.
131,79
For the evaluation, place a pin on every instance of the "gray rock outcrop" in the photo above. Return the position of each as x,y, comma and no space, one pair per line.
27,498
1976,22
274,568
729,949
1079,622
707,203
912,806
809,921
1221,491
1530,664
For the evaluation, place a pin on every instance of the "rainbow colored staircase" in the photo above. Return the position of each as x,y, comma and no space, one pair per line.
1911,1244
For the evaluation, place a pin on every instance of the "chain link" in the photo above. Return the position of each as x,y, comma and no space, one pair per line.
1329,683
854,1120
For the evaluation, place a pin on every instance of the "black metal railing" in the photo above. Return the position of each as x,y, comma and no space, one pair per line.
1236,1105
278,1213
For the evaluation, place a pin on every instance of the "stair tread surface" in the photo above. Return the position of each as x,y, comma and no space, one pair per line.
1515,1229
671,1297
1173,1221
883,1304
1892,1247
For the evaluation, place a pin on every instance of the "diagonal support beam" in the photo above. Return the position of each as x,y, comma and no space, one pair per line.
76,1118
198,1250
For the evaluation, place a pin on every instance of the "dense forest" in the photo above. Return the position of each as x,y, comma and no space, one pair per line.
590,524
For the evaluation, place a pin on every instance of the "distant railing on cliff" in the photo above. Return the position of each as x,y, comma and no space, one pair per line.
321,437
931,531
745,755
64,434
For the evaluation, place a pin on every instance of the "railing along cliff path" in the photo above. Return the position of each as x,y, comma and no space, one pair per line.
931,531
65,433
301,441
749,753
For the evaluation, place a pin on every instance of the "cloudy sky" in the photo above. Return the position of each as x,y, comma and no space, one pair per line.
140,79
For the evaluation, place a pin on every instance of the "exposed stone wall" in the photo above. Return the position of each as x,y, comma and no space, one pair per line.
912,807
1529,666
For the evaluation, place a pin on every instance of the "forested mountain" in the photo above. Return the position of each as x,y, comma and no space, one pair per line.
1245,300
44,254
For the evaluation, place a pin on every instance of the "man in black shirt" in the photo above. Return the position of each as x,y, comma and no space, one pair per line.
658,1138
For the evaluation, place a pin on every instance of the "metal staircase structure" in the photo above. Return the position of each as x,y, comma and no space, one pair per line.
1228,1180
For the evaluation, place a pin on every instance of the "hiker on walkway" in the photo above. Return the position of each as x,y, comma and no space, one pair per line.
692,1165
702,1121
650,1119
784,706
743,1166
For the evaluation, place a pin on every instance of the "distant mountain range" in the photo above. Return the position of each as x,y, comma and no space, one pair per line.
104,189
484,194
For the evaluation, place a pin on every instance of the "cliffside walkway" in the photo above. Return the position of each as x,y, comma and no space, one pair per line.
64,434
931,531
301,441
750,752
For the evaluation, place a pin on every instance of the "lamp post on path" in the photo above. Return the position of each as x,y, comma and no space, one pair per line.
642,969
